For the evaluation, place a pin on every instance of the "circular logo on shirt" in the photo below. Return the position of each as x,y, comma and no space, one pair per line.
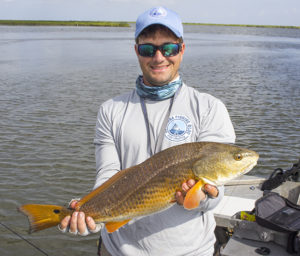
158,12
179,128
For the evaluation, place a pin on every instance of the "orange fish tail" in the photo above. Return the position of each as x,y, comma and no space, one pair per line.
44,216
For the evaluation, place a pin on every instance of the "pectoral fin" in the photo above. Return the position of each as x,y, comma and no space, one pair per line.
193,196
113,226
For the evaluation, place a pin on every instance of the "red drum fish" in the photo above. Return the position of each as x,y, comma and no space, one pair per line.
151,186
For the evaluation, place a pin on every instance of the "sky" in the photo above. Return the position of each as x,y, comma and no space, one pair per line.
255,12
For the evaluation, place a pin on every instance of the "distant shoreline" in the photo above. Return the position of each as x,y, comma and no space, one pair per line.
116,24
64,23
243,25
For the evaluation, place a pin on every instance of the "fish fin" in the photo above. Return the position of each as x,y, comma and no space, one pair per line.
43,216
113,226
107,184
193,196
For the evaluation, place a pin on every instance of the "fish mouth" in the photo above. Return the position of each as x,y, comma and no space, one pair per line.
249,167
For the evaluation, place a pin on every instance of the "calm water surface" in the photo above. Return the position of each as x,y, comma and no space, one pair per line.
53,79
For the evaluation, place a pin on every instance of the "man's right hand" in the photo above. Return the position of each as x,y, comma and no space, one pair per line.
78,223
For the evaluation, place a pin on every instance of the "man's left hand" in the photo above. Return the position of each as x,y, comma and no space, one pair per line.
211,190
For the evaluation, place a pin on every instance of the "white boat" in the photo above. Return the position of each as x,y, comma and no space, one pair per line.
236,236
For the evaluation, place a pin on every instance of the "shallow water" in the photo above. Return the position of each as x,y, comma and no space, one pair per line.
53,79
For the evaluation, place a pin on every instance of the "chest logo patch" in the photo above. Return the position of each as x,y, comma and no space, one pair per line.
179,128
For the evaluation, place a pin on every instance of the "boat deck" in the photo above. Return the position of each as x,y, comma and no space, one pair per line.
248,237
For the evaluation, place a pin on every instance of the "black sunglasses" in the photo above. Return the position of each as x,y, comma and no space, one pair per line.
167,50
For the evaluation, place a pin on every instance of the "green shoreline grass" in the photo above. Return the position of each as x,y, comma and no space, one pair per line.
63,23
243,25
116,24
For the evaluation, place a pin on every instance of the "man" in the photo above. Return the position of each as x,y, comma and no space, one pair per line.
159,113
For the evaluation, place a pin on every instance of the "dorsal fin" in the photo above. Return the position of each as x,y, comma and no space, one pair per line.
103,187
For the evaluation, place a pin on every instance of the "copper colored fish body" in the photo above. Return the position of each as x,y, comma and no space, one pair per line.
151,186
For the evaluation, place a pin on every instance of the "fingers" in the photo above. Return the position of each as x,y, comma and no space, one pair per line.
179,197
78,224
64,223
81,224
211,190
90,223
186,186
73,203
73,223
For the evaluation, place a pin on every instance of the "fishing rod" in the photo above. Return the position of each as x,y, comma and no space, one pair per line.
24,239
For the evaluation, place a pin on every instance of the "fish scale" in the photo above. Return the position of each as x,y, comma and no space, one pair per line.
148,195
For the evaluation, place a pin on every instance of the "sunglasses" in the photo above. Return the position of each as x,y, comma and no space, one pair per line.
167,50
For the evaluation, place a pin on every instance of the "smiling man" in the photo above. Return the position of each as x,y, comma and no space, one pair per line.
159,113
159,53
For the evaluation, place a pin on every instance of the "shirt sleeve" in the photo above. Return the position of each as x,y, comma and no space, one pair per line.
106,154
210,203
216,125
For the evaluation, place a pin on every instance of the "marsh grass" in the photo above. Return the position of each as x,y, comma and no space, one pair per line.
116,24
243,25
63,23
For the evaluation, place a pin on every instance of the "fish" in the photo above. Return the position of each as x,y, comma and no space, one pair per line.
150,186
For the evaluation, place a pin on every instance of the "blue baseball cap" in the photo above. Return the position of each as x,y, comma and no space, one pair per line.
159,15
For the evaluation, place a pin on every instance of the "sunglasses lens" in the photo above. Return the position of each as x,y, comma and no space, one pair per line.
146,50
169,50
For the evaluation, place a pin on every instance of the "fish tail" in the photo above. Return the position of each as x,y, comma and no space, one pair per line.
44,216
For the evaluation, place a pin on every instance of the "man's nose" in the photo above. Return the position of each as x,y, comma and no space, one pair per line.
158,56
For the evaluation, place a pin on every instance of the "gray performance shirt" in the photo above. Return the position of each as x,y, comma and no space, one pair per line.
121,141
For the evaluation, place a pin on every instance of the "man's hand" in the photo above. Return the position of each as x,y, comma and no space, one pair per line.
78,223
186,186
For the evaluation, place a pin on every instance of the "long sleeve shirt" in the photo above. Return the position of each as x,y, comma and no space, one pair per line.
121,141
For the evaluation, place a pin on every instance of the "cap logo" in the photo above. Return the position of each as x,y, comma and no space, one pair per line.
158,12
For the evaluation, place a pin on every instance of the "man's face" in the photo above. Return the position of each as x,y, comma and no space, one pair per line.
159,70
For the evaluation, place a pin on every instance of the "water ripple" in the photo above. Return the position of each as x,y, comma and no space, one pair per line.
49,99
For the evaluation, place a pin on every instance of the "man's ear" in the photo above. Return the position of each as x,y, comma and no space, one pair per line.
136,49
183,48
182,51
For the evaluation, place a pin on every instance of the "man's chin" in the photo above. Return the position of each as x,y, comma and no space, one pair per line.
159,82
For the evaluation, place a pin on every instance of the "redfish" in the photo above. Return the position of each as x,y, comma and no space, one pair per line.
151,186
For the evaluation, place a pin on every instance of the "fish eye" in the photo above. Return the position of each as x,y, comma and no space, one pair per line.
238,157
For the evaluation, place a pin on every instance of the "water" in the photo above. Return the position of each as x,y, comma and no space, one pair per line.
53,79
